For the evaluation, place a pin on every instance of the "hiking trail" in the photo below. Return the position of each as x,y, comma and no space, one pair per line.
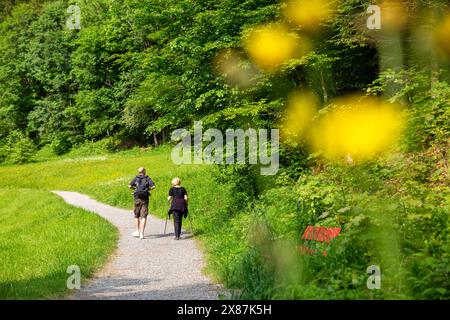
157,267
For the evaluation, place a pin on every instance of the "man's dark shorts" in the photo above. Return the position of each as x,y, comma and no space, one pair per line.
140,208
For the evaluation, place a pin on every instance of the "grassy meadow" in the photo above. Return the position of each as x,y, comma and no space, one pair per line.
40,235
105,177
250,241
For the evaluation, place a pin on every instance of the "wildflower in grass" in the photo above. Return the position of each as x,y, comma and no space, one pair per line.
270,46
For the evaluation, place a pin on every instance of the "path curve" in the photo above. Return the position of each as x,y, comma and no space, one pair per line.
157,267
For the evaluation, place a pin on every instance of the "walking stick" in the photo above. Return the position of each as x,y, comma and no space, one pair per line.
190,223
166,224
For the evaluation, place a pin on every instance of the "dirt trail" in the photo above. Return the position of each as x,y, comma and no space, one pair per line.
157,267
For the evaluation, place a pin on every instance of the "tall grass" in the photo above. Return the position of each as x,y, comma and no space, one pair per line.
40,237
251,239
28,208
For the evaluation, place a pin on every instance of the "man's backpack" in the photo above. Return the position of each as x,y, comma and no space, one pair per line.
141,188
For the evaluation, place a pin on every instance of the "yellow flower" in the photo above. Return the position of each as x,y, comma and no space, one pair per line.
235,69
269,46
442,37
357,128
394,14
301,109
308,13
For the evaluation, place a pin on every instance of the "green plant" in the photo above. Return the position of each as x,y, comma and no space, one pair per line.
18,149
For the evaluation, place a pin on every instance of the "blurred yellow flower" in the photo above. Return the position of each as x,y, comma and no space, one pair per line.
235,69
308,13
269,46
358,128
301,109
442,37
394,14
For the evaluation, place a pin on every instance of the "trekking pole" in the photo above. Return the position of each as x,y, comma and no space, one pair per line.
166,224
190,223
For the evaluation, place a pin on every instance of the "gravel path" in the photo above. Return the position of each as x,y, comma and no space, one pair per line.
157,267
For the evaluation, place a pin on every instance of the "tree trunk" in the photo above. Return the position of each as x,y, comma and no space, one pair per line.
324,88
163,135
155,139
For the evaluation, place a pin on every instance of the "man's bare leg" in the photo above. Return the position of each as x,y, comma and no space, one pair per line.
136,233
143,223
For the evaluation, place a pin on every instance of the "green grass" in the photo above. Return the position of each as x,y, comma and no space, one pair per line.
105,177
250,243
40,236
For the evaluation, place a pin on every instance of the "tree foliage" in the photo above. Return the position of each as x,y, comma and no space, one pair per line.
138,69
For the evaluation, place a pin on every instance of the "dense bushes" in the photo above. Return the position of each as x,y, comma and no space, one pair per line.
406,234
18,148
393,210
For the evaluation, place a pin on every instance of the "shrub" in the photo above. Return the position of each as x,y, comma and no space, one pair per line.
60,144
19,148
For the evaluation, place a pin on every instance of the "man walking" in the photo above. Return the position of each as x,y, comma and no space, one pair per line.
141,184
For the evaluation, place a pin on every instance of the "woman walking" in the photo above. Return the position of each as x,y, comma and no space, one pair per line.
178,205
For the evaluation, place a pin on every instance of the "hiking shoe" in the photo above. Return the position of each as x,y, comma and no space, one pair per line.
135,234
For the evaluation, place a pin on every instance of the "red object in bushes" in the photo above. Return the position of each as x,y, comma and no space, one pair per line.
319,234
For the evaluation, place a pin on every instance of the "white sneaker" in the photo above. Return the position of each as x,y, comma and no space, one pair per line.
135,234
141,236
